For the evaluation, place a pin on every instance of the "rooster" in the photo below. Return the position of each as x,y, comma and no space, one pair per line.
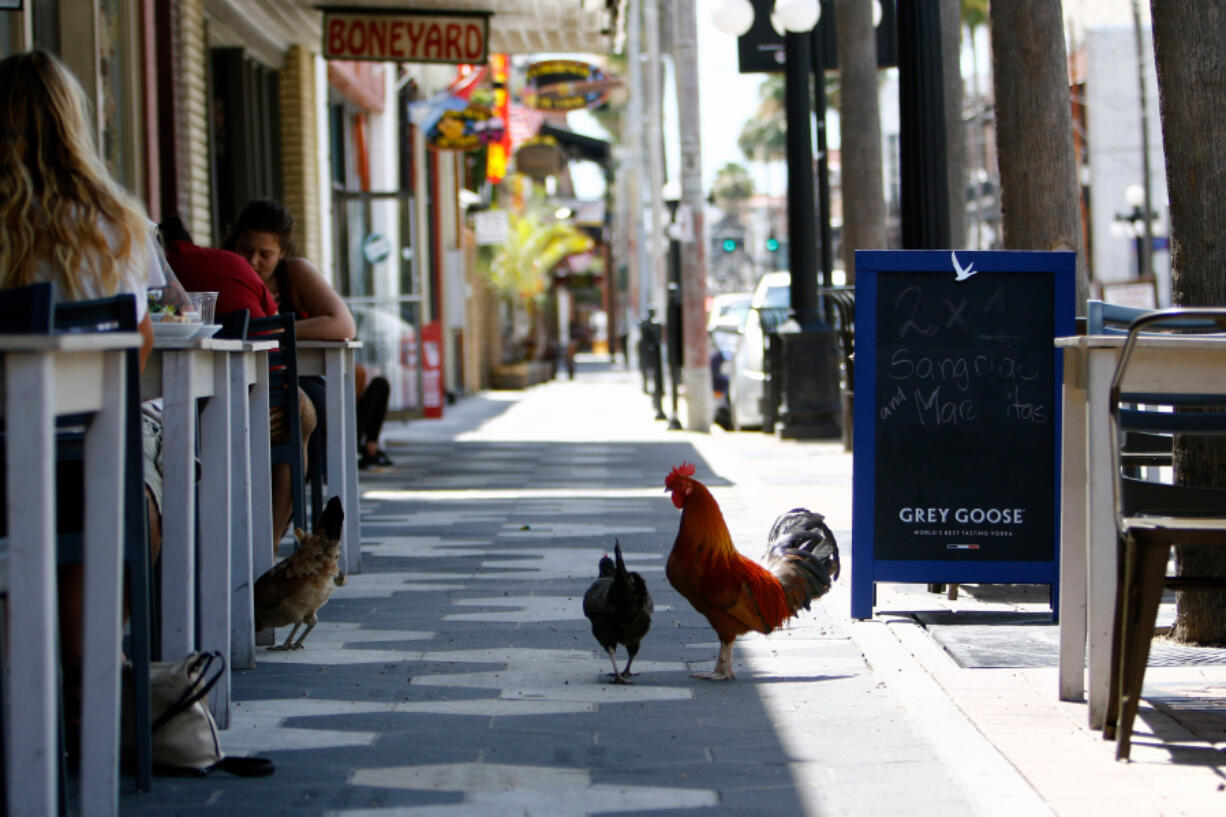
735,594
292,590
620,608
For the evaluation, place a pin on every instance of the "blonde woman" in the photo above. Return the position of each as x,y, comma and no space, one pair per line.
64,220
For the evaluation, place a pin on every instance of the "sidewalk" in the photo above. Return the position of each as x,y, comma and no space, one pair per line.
456,675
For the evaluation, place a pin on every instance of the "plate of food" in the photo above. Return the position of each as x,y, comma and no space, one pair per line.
174,330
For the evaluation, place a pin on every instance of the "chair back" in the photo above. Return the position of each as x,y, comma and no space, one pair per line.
233,325
286,442
26,310
1164,413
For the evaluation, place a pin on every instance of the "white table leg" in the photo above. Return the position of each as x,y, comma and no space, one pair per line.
340,416
33,738
178,557
353,516
214,549
103,626
1101,553
1072,540
242,620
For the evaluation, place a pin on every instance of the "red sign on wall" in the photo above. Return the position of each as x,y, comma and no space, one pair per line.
416,36
432,369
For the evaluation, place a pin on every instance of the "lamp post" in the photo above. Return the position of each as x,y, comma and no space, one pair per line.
671,193
1132,225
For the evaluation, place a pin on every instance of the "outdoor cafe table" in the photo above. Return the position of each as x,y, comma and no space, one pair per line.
46,376
335,361
1088,552
235,488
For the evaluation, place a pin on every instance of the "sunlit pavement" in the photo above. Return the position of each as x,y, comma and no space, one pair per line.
456,674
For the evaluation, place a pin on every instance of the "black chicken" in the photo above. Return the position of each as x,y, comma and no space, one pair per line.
620,608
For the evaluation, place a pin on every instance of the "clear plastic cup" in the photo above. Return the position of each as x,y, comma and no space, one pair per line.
204,303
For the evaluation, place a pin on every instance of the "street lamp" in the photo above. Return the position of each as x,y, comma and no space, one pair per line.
807,364
1132,225
671,194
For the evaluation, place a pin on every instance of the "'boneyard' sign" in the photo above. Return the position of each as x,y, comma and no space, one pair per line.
406,36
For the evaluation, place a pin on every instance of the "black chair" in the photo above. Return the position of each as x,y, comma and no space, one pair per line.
233,325
1152,517
286,445
26,310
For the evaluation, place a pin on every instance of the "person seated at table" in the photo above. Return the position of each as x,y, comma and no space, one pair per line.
66,221
373,394
263,235
209,269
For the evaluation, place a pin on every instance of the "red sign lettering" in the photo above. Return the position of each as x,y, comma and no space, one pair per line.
408,37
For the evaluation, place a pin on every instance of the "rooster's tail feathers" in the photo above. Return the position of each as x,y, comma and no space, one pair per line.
803,555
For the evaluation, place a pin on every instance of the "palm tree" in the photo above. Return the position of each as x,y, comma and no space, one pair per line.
1191,62
732,188
1040,204
864,212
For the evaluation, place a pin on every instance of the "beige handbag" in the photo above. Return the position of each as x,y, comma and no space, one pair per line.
185,736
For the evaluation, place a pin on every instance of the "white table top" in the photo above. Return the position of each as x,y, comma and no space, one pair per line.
70,342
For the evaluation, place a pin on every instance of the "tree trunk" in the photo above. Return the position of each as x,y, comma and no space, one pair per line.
955,129
860,125
1040,208
1191,62
697,365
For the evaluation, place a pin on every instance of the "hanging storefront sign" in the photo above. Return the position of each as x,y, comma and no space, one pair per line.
539,157
499,153
566,85
470,128
405,36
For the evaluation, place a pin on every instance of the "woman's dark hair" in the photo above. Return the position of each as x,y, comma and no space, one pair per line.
264,216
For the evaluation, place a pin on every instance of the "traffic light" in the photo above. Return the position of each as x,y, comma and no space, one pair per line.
729,245
772,244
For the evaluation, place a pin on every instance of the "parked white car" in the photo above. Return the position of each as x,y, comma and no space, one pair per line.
747,374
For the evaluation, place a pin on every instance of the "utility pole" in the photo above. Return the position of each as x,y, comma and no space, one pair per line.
1145,256
696,366
636,249
655,152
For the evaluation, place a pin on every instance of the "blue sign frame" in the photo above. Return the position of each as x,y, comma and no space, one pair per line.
955,268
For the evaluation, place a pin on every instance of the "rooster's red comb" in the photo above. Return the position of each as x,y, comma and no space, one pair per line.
685,469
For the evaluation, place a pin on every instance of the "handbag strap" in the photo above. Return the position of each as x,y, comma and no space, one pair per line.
199,668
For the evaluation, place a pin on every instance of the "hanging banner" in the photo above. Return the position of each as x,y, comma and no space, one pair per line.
539,157
499,153
470,128
566,85
411,36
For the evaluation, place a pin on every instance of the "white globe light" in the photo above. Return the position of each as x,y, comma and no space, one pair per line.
876,13
798,15
1134,195
734,17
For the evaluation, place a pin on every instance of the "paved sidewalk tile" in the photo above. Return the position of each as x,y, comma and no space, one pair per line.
457,675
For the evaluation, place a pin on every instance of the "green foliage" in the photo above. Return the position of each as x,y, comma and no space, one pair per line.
520,267
732,186
974,13
764,137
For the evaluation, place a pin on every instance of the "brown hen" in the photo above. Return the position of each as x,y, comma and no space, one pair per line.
294,589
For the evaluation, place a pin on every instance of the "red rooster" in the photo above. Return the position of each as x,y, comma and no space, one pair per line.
735,594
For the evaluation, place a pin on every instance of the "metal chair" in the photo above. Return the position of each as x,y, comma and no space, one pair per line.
1152,517
283,400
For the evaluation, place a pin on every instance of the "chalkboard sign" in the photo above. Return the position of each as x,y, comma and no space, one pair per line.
957,417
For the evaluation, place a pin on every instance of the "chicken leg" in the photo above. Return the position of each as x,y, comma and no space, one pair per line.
626,672
723,665
618,678
287,645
